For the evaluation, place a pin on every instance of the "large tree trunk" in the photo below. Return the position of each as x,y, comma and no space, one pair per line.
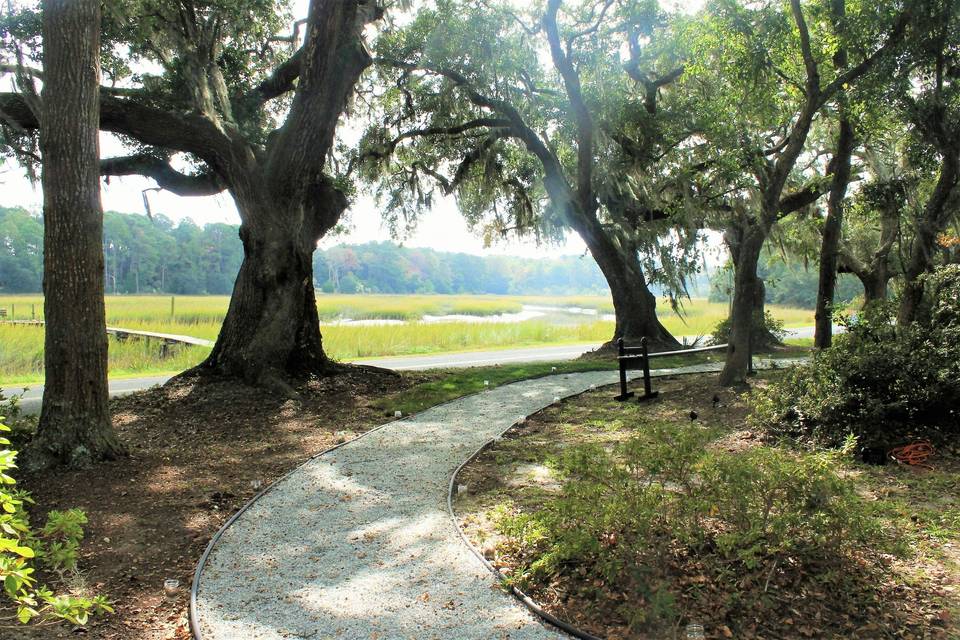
634,305
874,285
747,302
271,333
75,423
833,226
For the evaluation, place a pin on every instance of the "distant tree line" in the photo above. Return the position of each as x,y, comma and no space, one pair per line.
140,255
384,267
789,283
157,256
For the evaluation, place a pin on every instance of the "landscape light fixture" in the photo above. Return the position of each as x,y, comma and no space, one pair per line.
171,586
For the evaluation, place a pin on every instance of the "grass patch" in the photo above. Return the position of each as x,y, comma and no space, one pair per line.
444,385
21,356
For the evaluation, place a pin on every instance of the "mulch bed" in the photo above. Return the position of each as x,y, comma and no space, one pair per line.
195,450
914,597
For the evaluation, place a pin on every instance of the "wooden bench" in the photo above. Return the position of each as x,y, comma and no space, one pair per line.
633,358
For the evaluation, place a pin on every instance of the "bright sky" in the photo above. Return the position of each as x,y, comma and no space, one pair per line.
441,228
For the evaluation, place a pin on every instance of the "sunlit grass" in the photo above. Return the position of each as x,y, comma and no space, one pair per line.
21,356
21,347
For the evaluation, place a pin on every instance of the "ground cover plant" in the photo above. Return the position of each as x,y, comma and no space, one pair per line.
21,347
632,520
52,548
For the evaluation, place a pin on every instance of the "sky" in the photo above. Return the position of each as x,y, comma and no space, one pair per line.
441,228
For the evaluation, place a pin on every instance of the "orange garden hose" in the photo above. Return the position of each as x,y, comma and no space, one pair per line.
915,454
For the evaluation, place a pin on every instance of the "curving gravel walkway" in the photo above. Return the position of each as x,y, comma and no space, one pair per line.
358,543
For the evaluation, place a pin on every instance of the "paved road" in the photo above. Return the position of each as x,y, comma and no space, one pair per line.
31,399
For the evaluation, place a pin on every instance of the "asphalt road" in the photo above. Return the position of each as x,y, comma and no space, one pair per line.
30,401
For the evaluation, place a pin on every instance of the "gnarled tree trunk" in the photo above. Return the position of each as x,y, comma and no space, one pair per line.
272,330
936,216
833,226
635,307
830,244
75,423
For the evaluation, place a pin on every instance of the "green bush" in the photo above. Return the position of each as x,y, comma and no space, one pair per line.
882,383
55,546
767,331
22,426
628,520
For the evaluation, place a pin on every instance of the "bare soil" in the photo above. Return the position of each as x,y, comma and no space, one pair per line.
195,452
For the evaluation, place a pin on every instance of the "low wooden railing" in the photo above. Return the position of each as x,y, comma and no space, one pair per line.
633,358
122,334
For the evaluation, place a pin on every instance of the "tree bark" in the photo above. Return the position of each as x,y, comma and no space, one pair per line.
635,307
935,217
271,332
833,225
747,288
830,244
74,423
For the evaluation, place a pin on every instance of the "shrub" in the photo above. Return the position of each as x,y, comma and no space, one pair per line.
882,383
22,426
628,520
55,546
767,331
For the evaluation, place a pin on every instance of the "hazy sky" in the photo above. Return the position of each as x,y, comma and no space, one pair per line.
441,228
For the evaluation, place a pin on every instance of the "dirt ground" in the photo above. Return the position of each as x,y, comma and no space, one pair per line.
194,457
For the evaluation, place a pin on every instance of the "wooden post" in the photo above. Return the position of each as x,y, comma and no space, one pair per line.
171,307
646,366
624,394
33,312
648,392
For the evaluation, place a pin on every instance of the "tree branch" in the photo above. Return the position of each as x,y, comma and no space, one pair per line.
581,113
454,130
279,82
166,177
187,133
896,36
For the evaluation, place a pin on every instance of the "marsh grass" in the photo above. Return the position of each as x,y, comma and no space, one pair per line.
21,356
21,348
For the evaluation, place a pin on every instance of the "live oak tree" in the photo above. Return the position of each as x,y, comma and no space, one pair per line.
535,121
841,166
873,225
75,425
763,117
930,99
248,109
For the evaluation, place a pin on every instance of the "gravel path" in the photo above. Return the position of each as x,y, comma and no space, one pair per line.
358,543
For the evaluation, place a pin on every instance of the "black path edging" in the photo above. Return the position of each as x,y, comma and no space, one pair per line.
522,597
192,610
